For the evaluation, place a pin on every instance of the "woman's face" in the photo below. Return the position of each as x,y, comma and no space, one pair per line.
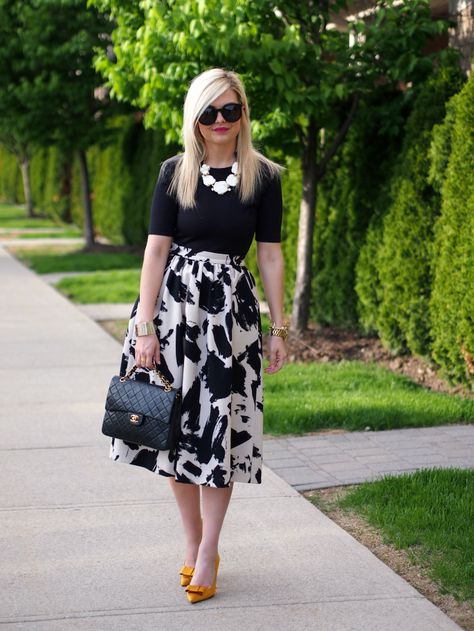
222,133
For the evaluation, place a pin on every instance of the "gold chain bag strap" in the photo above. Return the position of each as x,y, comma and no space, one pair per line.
143,413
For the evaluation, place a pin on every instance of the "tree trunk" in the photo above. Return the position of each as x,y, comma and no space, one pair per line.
25,174
66,188
86,194
302,293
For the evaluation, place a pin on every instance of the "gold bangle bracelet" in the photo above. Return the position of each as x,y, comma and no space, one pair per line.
144,328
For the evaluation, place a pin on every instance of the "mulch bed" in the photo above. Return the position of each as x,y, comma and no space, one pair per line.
331,344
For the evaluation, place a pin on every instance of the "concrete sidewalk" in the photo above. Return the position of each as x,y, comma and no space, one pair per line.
89,544
33,243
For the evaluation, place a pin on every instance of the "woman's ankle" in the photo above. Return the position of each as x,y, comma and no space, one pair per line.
208,548
192,550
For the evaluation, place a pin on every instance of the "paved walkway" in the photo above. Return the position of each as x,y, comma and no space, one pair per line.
324,459
33,243
89,544
9,231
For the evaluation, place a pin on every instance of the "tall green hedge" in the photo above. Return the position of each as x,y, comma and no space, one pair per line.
405,252
50,175
452,300
394,274
11,186
122,173
345,205
367,279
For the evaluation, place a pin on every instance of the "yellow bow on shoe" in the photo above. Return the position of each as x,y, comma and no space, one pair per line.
197,589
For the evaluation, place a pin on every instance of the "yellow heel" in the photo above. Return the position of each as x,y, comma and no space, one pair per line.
186,573
195,593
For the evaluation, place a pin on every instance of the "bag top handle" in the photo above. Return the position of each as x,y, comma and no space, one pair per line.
167,385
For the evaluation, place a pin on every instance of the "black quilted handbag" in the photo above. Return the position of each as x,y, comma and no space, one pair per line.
141,412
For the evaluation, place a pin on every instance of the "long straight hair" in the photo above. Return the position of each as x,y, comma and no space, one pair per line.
253,165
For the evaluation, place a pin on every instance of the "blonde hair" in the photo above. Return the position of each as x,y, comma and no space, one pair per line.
253,165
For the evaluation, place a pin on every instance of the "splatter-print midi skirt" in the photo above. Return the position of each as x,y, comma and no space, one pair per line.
207,319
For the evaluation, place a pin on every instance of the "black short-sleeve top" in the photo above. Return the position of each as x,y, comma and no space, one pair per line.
218,223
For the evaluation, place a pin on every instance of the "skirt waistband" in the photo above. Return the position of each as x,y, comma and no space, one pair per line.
204,255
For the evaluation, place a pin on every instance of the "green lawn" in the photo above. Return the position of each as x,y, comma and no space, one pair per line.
430,514
14,216
353,395
44,260
114,286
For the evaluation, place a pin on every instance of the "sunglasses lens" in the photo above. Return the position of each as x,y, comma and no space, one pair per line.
232,112
209,116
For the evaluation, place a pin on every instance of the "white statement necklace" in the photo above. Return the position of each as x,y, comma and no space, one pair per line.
222,186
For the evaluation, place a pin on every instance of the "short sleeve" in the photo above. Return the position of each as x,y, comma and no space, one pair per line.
164,207
269,214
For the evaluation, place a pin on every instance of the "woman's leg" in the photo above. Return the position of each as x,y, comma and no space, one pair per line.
214,506
188,499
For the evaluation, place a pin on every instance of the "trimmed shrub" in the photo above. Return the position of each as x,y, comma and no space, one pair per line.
404,254
50,183
452,299
11,185
347,200
367,277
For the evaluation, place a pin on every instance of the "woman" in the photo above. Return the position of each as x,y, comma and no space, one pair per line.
201,306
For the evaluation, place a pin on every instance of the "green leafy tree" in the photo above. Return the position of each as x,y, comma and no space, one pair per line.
305,79
48,83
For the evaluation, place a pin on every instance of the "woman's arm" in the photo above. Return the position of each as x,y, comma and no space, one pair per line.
271,268
154,260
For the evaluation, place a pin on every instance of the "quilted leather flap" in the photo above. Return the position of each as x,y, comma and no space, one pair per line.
139,397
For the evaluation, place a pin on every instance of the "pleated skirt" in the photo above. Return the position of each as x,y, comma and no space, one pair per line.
207,319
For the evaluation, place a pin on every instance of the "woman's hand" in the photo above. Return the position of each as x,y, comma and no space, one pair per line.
147,348
278,354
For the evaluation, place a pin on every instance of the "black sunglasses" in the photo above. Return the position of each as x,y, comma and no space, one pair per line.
231,112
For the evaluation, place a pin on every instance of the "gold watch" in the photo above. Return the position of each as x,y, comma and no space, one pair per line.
279,331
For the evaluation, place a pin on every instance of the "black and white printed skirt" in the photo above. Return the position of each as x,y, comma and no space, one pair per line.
208,322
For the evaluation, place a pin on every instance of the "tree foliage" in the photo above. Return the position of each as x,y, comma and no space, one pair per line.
47,76
292,64
301,75
46,72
